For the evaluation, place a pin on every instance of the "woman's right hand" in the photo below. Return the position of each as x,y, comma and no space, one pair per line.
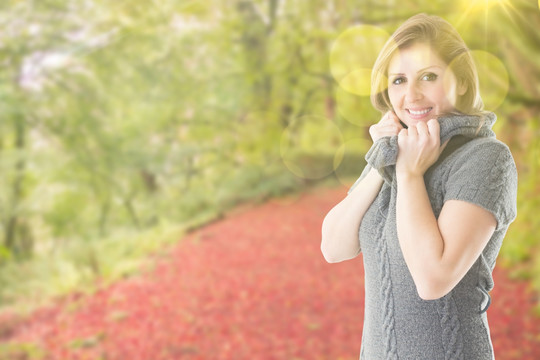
389,125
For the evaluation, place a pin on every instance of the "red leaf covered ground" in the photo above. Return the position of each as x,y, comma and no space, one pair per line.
251,286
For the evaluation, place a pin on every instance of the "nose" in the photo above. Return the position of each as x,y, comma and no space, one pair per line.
414,93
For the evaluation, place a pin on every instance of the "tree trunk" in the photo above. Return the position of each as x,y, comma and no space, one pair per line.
13,220
128,203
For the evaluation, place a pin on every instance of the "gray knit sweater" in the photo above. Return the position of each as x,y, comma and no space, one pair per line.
475,167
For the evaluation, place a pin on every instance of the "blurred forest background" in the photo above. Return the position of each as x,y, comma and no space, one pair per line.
124,123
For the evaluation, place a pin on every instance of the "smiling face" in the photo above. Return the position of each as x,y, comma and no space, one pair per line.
421,86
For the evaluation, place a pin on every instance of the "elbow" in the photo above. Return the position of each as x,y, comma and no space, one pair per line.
332,255
329,256
327,247
429,294
337,246
431,288
330,260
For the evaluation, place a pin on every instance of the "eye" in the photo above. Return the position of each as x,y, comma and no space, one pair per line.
429,77
399,80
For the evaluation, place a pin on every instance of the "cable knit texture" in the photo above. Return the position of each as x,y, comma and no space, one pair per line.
475,167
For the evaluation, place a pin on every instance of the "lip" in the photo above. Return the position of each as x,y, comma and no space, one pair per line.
419,116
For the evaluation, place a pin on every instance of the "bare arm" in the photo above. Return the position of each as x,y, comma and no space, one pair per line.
341,224
439,252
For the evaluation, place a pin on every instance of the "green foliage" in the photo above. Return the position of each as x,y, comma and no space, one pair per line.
77,264
520,129
126,121
521,250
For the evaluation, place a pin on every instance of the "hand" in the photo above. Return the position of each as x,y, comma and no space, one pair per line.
389,125
419,148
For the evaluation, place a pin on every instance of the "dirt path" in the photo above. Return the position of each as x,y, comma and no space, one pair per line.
251,286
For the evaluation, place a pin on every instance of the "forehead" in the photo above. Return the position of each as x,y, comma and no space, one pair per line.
415,57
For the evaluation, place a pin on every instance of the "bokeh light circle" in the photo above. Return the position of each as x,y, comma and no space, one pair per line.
352,57
351,162
308,146
358,82
355,109
493,78
350,106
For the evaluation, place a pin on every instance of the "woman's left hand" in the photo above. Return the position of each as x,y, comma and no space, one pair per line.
419,148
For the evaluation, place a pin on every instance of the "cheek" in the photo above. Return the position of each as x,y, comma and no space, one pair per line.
444,96
450,89
394,97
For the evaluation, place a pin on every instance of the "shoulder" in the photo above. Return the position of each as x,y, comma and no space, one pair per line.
485,153
484,173
484,144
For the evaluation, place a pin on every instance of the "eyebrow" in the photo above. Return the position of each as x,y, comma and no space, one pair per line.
418,70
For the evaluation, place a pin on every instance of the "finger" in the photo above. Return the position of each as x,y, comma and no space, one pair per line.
413,131
422,129
434,128
390,127
380,133
386,119
403,133
393,127
393,117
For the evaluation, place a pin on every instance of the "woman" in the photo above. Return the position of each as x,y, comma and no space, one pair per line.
432,205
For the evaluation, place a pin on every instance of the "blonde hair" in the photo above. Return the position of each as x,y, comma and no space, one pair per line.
445,41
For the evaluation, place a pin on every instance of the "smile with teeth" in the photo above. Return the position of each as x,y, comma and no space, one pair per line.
419,112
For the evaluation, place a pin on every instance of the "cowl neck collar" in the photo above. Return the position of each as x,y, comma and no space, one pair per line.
383,154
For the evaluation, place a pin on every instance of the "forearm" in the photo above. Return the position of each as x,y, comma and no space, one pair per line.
340,226
419,236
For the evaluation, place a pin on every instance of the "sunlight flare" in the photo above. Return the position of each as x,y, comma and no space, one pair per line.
486,4
474,7
352,56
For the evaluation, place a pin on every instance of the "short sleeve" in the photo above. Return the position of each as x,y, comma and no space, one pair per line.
364,173
486,175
